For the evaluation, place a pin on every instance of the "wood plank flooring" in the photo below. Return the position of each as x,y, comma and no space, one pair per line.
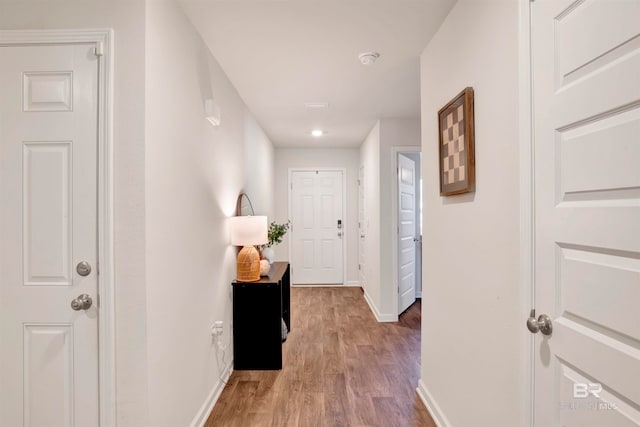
340,368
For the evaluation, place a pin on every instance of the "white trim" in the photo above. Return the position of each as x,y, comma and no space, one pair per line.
353,283
205,410
380,317
344,211
106,285
526,204
394,214
434,409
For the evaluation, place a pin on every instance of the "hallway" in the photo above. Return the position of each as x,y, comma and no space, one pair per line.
340,368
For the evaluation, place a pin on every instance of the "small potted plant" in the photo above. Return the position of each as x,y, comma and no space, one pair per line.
275,233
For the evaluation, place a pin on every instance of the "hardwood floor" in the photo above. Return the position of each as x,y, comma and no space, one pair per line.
340,368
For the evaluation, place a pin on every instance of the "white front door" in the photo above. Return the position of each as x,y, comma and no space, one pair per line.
407,236
586,57
48,187
317,227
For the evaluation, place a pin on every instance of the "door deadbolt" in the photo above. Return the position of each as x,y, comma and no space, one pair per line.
83,268
542,324
82,302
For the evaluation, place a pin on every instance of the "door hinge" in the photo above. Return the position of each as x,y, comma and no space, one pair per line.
359,267
99,49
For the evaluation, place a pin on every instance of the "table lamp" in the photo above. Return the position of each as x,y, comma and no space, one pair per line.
248,231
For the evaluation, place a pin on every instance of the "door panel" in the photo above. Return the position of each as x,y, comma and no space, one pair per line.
48,360
48,224
317,247
586,57
407,234
47,187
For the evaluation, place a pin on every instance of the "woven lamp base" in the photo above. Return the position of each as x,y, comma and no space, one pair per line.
248,265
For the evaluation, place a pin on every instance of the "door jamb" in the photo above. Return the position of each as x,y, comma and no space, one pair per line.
344,207
395,150
103,39
527,203
361,223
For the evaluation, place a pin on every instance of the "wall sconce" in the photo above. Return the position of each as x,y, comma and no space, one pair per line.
248,231
212,112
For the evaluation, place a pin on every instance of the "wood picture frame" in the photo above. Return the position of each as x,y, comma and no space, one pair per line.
456,145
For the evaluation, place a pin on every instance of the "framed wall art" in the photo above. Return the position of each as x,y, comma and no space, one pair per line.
456,145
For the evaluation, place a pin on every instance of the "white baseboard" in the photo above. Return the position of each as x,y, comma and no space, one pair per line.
380,317
419,294
433,408
353,284
203,414
320,285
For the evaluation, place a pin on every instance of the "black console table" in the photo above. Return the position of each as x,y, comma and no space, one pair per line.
258,311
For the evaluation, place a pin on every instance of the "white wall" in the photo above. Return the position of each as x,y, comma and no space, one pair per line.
259,160
174,188
370,161
126,17
347,158
393,133
194,174
473,358
376,154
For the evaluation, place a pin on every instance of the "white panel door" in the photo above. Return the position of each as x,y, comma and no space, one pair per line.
317,227
586,57
407,235
48,149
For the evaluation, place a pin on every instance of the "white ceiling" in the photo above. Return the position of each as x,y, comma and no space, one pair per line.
280,54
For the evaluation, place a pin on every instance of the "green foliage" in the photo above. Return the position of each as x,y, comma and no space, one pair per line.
277,232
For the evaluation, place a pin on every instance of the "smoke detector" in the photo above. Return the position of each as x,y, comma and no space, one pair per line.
368,58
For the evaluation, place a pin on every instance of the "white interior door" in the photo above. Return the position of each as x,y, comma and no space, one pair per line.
317,227
586,57
361,221
407,236
48,143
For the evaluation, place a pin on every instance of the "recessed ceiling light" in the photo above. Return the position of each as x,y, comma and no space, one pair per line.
368,58
316,104
317,132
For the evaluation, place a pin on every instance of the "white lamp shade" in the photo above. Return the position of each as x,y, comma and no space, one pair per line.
248,230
